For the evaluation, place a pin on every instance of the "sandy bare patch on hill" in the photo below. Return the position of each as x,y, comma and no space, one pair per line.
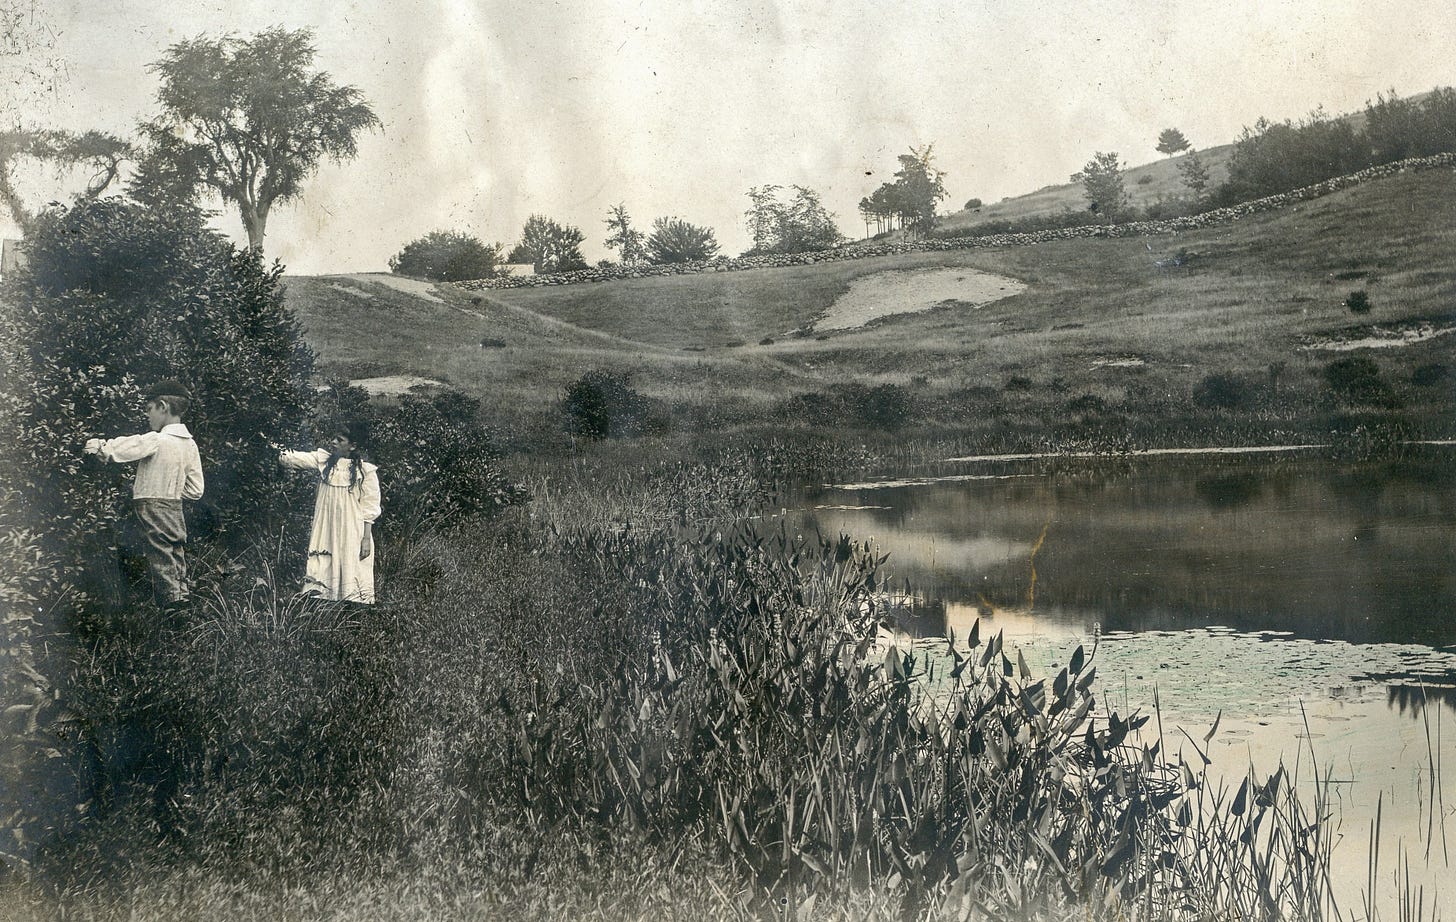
1384,337
909,291
416,287
395,385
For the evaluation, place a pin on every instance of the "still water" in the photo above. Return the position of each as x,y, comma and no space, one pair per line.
1309,602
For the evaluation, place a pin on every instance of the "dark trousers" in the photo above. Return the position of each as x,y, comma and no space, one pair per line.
164,533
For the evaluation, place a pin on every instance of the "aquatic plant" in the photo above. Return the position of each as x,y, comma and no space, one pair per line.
769,719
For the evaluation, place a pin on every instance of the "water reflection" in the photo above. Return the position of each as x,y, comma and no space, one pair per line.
1304,604
1324,550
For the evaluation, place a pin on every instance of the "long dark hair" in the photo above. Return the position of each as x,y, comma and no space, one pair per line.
357,433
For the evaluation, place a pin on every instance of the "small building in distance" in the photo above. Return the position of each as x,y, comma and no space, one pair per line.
516,269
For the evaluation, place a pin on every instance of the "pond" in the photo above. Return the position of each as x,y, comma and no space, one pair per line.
1306,604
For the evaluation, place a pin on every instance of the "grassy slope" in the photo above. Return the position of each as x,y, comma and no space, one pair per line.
1145,184
1256,291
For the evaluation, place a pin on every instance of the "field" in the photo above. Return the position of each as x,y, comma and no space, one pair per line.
1111,335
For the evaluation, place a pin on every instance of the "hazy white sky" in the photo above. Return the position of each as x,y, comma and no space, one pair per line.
493,111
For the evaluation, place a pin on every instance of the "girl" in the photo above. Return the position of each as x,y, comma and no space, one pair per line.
341,546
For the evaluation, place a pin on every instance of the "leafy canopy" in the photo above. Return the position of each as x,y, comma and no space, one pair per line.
911,199
446,256
794,226
100,153
627,240
247,119
549,246
674,240
1172,141
1101,180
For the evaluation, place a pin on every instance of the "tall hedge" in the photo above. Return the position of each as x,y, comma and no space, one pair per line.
116,296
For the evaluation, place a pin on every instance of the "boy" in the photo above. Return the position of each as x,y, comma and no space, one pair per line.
170,471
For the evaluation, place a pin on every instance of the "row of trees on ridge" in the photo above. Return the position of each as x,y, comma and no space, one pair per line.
1274,157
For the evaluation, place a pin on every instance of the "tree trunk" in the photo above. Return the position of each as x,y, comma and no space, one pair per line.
255,220
11,199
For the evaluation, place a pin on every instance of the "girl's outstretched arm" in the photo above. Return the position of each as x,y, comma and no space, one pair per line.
302,460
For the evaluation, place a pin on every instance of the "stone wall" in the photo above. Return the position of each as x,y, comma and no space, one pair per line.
866,250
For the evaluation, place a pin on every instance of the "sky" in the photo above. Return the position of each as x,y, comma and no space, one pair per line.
493,111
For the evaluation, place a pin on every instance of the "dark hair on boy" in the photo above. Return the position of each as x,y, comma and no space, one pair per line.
172,395
177,406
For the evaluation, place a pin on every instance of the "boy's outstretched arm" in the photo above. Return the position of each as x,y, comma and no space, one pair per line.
126,448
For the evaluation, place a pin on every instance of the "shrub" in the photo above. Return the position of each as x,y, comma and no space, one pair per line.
600,404
1276,157
674,240
973,204
1018,383
1086,405
1357,380
886,407
115,297
1221,390
1358,302
1429,374
447,256
118,296
437,462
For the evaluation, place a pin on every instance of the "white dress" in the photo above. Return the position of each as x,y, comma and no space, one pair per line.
340,512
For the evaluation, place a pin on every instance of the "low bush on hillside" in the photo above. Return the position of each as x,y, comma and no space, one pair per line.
1356,380
1358,301
602,404
1086,405
882,408
1429,374
1221,390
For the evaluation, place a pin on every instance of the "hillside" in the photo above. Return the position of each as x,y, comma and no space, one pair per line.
1109,334
1145,184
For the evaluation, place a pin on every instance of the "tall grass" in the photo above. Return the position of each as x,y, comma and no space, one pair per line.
684,717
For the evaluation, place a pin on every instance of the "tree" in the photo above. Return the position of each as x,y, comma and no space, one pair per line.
909,202
795,226
101,153
973,204
1172,141
762,216
1101,180
549,246
624,238
1195,175
248,119
446,256
920,187
1275,157
674,240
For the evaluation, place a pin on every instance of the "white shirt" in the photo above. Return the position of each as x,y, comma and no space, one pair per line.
170,467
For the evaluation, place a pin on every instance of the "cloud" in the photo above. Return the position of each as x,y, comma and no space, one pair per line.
493,111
